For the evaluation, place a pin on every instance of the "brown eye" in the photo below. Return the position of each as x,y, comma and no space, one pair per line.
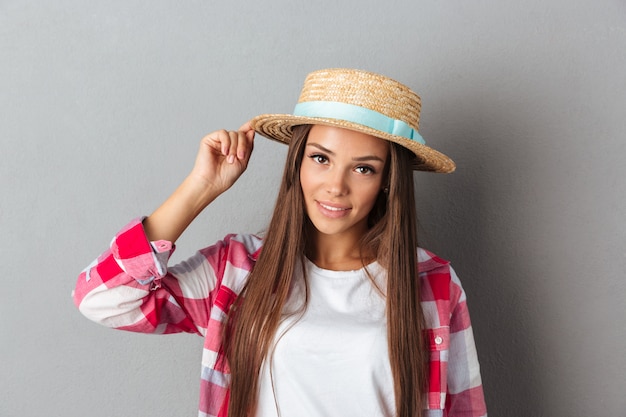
320,159
365,170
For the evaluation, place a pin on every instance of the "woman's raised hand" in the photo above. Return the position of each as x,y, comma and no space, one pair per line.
223,156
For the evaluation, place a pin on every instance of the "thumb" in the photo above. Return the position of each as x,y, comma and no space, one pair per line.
248,130
246,127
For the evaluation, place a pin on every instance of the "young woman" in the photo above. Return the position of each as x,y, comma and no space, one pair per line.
335,311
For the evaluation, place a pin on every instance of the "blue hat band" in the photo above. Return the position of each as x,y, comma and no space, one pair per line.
359,115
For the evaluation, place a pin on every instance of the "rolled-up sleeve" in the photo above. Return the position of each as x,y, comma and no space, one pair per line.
125,287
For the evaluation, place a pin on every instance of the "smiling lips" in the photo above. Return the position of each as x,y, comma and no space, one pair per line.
332,211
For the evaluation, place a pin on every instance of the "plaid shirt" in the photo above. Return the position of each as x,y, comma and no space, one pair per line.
130,287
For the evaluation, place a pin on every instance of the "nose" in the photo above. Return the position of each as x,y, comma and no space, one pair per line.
336,183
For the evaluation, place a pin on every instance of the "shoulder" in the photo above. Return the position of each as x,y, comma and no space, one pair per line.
438,280
228,262
238,243
241,243
428,261
239,250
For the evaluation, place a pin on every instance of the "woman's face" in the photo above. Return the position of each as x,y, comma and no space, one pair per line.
341,175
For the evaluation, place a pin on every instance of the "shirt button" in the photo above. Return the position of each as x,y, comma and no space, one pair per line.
438,340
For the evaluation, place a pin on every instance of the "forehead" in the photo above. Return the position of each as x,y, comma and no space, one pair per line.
342,140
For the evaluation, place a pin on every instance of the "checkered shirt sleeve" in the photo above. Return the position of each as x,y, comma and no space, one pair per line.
454,386
130,287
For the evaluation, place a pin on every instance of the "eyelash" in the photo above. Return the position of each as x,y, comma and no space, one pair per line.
322,159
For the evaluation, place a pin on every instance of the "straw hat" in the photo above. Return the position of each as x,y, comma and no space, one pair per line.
361,101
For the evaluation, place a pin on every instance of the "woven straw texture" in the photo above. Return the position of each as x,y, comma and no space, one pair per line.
364,89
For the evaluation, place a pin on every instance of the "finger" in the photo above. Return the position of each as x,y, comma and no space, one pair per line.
218,140
225,141
250,135
232,151
248,130
244,145
213,141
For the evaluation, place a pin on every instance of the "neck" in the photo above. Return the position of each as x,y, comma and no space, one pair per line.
338,253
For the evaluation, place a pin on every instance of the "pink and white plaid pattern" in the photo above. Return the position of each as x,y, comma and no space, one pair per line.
130,287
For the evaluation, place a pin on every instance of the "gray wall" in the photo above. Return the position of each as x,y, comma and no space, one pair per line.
102,105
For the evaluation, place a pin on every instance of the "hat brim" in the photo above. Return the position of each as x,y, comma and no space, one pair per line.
279,127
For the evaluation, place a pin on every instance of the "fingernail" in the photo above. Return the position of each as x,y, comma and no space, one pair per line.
230,159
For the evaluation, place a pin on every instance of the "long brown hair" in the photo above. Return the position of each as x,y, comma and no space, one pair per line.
255,317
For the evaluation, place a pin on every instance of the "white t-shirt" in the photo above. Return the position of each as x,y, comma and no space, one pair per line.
333,360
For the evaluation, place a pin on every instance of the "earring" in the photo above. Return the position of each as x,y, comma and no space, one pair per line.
386,190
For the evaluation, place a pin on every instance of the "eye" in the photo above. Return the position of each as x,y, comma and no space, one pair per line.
320,159
365,170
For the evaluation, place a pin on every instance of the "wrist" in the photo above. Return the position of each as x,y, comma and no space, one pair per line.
198,192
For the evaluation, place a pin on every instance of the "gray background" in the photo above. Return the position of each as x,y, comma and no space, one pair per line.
102,105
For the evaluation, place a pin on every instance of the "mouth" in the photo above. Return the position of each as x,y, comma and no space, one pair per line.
332,208
333,211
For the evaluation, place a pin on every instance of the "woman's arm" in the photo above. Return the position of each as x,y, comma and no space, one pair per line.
129,286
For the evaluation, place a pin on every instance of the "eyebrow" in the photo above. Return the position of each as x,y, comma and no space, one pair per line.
358,159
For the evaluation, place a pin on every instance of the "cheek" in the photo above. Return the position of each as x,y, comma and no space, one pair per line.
373,197
369,196
307,178
304,184
305,189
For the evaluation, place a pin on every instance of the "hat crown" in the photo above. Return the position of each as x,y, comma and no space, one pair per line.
364,89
